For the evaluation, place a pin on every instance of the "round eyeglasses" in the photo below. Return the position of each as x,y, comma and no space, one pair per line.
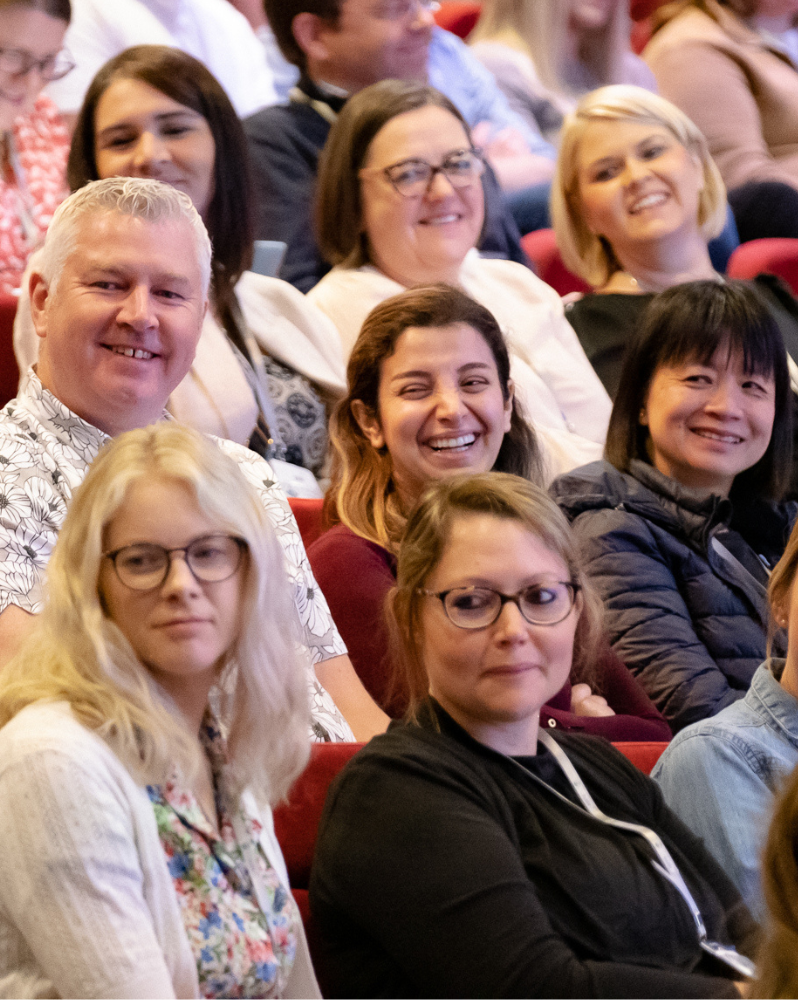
19,62
477,607
412,178
145,565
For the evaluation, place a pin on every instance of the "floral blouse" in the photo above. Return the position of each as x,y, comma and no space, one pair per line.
240,920
41,145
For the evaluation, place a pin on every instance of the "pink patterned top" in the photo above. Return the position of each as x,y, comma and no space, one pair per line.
241,921
40,149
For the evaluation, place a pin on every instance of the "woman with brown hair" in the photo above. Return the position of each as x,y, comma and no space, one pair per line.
430,395
472,851
33,139
267,362
401,203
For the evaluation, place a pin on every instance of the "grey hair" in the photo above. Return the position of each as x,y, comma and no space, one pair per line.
138,197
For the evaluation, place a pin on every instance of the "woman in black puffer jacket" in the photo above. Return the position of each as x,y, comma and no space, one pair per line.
680,525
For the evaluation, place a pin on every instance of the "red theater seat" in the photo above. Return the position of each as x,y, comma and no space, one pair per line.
309,518
773,256
458,16
9,373
541,248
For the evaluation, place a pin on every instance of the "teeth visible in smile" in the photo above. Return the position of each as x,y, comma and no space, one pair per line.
713,436
441,220
446,444
129,352
649,201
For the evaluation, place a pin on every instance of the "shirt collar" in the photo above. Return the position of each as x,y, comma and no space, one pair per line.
768,698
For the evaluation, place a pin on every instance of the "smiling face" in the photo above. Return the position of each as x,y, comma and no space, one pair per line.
708,422
637,183
39,35
183,630
121,327
423,239
441,408
494,680
140,132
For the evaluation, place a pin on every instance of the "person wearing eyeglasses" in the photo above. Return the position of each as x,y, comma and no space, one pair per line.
156,714
34,142
400,203
472,852
430,396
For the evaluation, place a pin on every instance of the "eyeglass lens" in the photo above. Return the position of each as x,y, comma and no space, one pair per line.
145,566
414,176
18,62
540,604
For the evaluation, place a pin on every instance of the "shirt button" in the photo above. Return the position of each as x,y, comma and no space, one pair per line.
552,723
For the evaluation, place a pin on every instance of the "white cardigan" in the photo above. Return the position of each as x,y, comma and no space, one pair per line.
561,393
87,905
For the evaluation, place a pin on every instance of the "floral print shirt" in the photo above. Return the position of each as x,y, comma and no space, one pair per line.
45,452
240,920
41,145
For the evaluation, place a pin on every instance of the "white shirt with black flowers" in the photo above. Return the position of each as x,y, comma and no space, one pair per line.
45,452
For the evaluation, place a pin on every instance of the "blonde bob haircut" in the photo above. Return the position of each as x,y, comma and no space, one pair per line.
429,528
541,29
591,256
77,654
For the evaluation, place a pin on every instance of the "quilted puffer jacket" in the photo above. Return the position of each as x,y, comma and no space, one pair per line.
688,619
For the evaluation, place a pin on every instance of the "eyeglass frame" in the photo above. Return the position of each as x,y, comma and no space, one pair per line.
385,171
429,5
242,544
571,586
39,64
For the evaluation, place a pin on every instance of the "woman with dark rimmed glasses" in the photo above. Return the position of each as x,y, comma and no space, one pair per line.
156,714
34,142
471,852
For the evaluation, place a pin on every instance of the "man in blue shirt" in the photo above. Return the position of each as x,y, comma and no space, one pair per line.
342,46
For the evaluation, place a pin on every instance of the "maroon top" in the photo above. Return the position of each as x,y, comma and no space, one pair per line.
355,575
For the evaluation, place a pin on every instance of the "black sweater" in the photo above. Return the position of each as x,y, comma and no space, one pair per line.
444,869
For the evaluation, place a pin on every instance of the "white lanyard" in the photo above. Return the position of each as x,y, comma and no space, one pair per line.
666,866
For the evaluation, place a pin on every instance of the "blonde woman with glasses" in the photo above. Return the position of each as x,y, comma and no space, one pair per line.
156,714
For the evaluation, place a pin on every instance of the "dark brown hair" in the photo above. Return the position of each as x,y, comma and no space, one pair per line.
280,15
691,322
229,217
338,208
361,489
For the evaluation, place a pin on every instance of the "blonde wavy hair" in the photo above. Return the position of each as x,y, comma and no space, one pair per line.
540,28
77,654
426,537
583,252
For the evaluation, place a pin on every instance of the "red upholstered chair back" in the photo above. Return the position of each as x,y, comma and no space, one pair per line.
458,16
643,755
9,373
541,248
309,518
773,256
